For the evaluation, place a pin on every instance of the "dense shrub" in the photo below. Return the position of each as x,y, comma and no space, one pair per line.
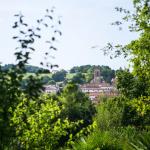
38,124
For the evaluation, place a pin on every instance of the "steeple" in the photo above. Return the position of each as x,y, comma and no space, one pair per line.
97,76
96,73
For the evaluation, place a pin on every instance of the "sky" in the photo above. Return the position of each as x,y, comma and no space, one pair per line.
85,23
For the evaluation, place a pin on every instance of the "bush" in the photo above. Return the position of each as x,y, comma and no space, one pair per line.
137,112
109,113
99,141
38,124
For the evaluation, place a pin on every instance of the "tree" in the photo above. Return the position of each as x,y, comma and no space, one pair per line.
107,73
46,79
129,85
88,70
137,112
39,125
11,79
79,78
59,76
135,86
140,52
132,107
77,105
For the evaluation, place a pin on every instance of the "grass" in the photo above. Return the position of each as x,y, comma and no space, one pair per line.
41,75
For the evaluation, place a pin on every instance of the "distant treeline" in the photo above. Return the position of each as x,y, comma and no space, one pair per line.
106,72
29,68
77,74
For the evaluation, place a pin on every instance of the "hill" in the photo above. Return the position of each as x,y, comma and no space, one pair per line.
77,74
29,68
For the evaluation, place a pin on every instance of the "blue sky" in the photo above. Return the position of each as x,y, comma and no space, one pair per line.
85,23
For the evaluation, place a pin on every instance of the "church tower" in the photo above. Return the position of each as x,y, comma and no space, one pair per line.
97,76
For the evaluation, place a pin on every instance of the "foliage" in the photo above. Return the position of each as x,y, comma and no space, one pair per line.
11,78
140,53
135,86
110,133
98,141
46,79
88,70
109,113
79,78
39,125
28,68
127,138
82,69
129,85
132,108
59,76
137,112
84,75
77,105
142,105
9,97
141,141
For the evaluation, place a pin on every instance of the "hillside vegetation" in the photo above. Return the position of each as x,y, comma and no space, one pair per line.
77,74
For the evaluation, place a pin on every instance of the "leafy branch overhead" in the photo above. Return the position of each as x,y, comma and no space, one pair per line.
139,21
28,35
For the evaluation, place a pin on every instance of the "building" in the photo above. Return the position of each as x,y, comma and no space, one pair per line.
51,88
97,87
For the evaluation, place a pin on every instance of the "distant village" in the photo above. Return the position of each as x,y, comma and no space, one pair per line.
95,89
